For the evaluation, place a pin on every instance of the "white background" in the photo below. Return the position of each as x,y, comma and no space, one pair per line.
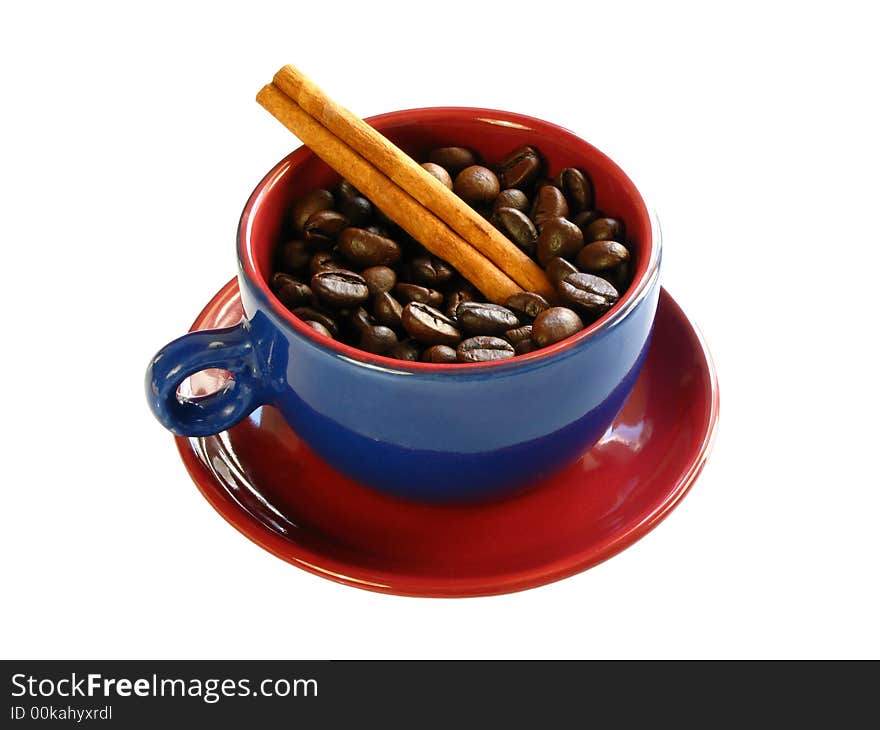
131,139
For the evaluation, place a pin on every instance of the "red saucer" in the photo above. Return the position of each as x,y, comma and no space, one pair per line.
274,490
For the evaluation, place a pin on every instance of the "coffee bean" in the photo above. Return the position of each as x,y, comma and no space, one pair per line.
605,229
346,190
318,327
416,293
323,261
290,291
602,256
484,349
379,340
518,334
557,269
518,227
408,350
379,279
559,237
413,293
453,159
512,198
481,318
308,205
365,249
527,304
456,298
340,288
439,354
293,255
315,314
428,325
360,319
477,184
590,293
387,310
439,172
583,219
430,271
577,189
384,231
519,168
555,324
357,209
549,203
322,228
525,347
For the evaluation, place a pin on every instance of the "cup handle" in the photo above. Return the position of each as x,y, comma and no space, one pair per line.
230,348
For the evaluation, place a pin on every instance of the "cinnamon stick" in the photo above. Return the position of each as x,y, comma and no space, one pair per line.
398,205
415,180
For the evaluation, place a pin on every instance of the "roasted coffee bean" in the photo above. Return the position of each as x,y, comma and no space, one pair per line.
430,271
340,288
439,353
408,350
379,279
484,349
318,327
346,190
379,340
294,255
605,229
525,347
317,315
416,293
291,292
323,261
322,228
518,227
559,237
549,203
357,209
602,256
365,249
512,198
519,168
453,159
527,304
476,185
557,269
383,231
590,293
360,319
387,310
428,325
555,324
417,296
456,298
482,318
583,219
577,189
308,205
518,334
439,172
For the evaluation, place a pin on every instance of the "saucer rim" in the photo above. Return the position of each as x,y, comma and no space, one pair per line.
414,585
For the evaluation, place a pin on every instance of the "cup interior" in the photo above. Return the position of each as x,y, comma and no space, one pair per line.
491,134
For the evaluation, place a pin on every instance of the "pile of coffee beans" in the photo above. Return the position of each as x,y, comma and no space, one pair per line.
350,273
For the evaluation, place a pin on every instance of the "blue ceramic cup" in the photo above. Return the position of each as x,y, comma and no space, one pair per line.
420,430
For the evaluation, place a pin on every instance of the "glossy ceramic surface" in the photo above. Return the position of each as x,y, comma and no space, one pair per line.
422,431
270,486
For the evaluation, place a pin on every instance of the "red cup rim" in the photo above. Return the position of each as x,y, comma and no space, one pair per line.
646,273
